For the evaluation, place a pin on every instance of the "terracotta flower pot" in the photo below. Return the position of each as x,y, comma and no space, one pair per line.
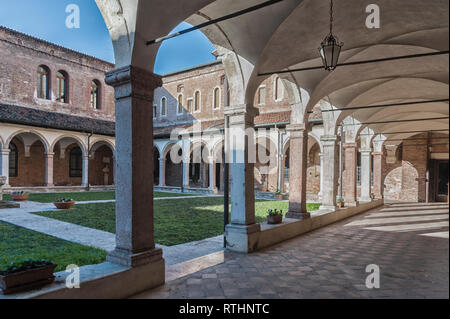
65,205
27,280
20,198
278,219
340,204
279,197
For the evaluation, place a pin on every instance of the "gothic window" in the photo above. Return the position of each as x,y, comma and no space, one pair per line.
180,104
197,101
61,87
163,106
95,95
43,83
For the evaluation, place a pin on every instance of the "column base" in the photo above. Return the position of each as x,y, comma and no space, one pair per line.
295,215
351,204
242,238
365,199
126,258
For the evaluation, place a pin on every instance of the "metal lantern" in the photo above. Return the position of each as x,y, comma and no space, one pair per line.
330,49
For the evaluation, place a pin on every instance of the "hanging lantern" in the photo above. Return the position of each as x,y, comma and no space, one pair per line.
330,49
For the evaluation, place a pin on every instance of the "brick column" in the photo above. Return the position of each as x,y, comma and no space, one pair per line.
242,234
49,169
5,165
135,246
349,176
298,148
162,172
330,171
378,167
366,169
85,174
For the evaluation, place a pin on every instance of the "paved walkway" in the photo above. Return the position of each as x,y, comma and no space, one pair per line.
409,242
23,217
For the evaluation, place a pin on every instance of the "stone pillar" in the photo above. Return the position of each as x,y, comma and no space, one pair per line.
222,176
378,167
5,165
330,172
135,245
162,172
85,174
349,176
242,234
212,175
298,160
365,175
49,169
186,168
321,176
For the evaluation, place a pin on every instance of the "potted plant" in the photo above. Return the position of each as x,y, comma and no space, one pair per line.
278,194
25,275
340,203
64,203
274,216
19,196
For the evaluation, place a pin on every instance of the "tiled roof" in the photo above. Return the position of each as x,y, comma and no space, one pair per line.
33,117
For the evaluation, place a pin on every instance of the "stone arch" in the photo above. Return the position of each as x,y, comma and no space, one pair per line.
78,140
33,132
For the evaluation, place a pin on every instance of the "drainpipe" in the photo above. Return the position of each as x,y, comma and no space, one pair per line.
88,156
341,162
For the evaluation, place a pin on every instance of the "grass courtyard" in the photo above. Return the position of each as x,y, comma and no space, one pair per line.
17,243
85,196
176,221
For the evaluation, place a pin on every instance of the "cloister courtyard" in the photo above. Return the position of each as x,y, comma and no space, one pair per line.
306,155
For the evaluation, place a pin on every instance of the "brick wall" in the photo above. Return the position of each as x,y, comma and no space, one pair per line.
21,56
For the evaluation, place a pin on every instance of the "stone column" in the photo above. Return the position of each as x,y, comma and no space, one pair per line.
349,176
135,245
242,234
330,172
85,174
162,172
365,175
298,160
212,175
222,176
186,168
378,167
321,176
49,169
5,165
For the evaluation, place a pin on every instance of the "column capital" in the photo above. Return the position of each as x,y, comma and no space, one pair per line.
350,145
49,154
131,81
297,127
377,153
367,152
239,110
329,140
5,151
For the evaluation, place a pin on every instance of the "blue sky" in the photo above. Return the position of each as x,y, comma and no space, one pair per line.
46,19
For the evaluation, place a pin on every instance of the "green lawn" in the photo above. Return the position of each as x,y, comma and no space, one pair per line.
17,243
86,196
176,221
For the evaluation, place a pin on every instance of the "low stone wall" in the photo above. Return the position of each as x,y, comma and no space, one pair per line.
290,228
59,189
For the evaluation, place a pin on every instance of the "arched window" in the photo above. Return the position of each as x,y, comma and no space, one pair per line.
43,83
13,160
197,101
216,98
163,106
95,95
278,89
76,162
180,104
61,87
